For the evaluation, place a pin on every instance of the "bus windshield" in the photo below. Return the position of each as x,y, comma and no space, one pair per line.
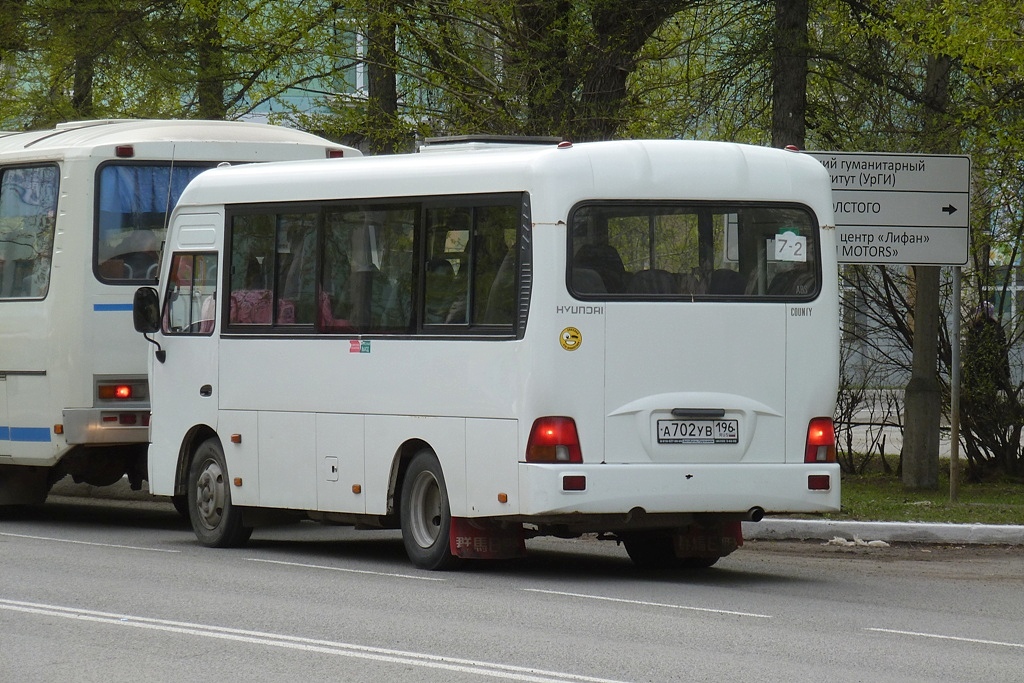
687,251
28,209
133,202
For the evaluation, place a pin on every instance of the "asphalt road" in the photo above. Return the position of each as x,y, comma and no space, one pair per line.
112,591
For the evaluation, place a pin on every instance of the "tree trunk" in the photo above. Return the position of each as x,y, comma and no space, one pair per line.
621,29
382,100
923,397
210,67
789,73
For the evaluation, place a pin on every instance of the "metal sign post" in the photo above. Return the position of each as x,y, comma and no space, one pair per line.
907,209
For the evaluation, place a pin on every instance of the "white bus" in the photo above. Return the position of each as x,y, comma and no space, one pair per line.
82,219
638,339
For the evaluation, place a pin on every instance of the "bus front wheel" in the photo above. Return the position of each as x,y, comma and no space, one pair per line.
426,515
216,522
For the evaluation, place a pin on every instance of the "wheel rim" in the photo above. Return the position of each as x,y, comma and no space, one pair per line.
211,494
425,517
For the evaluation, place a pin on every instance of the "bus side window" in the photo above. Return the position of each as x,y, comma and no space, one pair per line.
28,209
440,291
296,258
191,303
494,265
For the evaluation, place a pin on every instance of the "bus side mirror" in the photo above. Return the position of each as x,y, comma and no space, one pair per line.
146,310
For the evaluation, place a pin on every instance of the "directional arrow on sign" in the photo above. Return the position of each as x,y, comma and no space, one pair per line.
950,209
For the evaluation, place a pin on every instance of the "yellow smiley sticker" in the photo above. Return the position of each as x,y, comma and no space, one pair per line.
571,339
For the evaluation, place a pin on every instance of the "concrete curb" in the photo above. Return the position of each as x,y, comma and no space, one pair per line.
768,529
904,532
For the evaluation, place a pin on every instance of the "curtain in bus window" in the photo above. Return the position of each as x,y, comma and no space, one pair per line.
296,262
28,209
133,203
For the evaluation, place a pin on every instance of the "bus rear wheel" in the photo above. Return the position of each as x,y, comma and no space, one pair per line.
656,550
651,549
426,515
216,522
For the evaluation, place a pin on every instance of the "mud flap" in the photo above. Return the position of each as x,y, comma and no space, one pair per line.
481,539
711,541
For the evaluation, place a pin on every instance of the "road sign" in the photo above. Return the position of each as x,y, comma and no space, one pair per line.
900,208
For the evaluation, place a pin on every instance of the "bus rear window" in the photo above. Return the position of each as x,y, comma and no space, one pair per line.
693,251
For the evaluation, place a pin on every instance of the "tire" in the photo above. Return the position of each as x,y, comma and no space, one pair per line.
651,550
656,550
426,515
216,522
180,504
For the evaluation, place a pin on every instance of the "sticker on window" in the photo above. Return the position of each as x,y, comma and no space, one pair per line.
790,246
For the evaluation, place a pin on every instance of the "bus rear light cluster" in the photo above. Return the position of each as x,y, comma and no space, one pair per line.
125,419
821,441
116,392
554,440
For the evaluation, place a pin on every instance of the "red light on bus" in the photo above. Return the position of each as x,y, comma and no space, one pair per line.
554,439
117,392
124,151
821,441
819,482
335,153
574,482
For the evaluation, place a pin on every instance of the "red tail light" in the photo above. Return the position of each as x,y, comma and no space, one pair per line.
116,391
555,440
821,441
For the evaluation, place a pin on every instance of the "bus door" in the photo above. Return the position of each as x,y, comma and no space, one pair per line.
695,363
185,382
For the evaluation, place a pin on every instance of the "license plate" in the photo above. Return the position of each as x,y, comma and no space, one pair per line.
698,431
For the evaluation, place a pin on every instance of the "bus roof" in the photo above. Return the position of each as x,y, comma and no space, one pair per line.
81,137
628,169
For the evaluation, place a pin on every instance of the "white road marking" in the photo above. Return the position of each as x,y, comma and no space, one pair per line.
350,571
978,641
101,545
455,664
650,604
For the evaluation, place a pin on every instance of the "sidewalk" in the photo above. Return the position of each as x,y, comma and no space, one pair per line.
768,529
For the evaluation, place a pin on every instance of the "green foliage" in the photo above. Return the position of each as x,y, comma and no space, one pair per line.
881,497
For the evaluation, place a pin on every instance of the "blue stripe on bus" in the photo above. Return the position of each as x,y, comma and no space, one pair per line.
33,434
112,307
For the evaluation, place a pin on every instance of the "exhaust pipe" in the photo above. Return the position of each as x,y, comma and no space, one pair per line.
754,514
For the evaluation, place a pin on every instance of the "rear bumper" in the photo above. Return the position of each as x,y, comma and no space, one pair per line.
661,488
91,426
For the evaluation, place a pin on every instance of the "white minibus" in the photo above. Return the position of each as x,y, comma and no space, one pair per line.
484,342
83,208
